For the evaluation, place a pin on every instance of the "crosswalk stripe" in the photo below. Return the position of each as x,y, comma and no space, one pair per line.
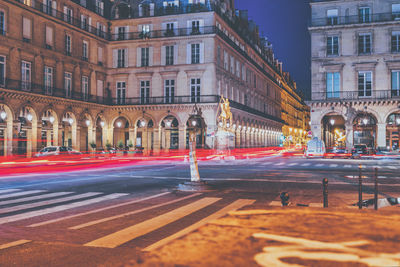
97,210
14,244
305,164
292,164
231,207
333,165
280,164
347,166
125,235
27,215
21,194
47,202
80,226
8,190
392,167
13,201
319,165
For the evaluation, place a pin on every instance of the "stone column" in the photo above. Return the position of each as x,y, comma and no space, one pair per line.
349,136
238,138
132,135
182,136
29,142
381,135
167,139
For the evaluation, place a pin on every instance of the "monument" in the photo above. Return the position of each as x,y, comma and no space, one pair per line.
225,136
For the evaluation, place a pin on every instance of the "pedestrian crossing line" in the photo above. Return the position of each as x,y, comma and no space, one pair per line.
305,164
31,192
292,164
13,201
267,163
275,203
31,214
319,165
347,166
333,165
392,167
80,226
125,235
14,244
231,207
9,190
280,164
47,202
97,210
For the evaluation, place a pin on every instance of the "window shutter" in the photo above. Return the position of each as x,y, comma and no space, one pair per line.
189,26
175,54
115,58
150,56
176,28
100,54
140,28
201,52
127,32
49,35
44,6
163,55
152,9
140,10
90,23
164,26
126,58
27,28
138,57
188,54
201,25
65,13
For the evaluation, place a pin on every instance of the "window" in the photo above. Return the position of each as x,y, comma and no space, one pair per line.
27,30
332,84
48,80
238,69
195,27
121,58
2,23
232,64
364,83
144,92
364,14
169,55
85,88
364,43
332,17
100,55
395,43
101,29
68,84
99,7
26,75
169,89
332,45
85,52
145,31
396,11
68,15
195,53
49,7
195,90
395,82
49,37
226,59
85,21
170,31
121,33
68,45
2,71
145,57
121,93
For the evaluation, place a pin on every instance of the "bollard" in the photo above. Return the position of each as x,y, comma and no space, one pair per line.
360,188
285,199
376,190
325,191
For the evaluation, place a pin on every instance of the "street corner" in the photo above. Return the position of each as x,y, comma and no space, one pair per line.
284,236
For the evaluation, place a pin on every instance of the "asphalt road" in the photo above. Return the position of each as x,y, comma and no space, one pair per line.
108,217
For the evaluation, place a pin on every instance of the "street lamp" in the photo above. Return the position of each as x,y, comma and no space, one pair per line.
398,121
51,119
29,117
102,124
332,121
142,123
365,121
87,123
70,120
119,124
3,115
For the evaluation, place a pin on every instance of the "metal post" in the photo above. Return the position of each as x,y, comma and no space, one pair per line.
360,188
194,168
376,190
325,191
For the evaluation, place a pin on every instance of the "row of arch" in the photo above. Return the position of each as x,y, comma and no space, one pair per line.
26,131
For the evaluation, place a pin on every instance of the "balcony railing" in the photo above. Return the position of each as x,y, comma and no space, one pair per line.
355,19
63,17
355,95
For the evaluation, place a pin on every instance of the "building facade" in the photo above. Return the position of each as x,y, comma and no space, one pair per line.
82,73
355,72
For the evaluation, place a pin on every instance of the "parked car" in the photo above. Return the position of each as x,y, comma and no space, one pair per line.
337,152
359,150
56,150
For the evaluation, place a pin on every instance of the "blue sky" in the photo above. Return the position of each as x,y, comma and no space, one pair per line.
284,23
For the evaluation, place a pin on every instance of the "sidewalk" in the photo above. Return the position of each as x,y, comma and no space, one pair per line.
276,236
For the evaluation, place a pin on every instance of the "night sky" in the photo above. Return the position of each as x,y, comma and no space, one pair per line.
284,23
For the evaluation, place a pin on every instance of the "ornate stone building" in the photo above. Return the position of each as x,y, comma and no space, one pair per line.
355,72
79,72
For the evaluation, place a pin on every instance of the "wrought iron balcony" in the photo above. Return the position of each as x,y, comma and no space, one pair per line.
355,19
356,95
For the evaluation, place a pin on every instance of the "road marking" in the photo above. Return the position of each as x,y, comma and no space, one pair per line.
275,204
316,205
333,165
130,213
13,201
9,190
267,163
319,165
305,164
14,244
47,202
292,164
97,210
36,213
347,166
280,164
392,167
231,207
125,235
21,194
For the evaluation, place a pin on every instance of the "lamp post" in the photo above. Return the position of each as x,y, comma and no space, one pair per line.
194,123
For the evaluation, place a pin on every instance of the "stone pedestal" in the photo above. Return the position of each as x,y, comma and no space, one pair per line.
224,139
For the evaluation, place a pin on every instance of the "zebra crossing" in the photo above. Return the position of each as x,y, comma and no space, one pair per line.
44,210
321,165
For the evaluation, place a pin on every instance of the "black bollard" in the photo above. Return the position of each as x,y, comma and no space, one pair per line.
360,188
325,191
284,198
376,190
